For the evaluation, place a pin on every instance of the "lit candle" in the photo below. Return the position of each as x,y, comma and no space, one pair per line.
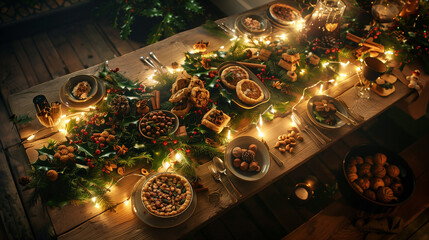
301,193
229,135
321,89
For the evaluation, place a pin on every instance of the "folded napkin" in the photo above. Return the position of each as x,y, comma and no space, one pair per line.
377,228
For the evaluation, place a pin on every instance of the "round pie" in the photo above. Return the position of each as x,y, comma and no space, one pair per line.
166,194
249,92
283,13
199,97
232,75
180,95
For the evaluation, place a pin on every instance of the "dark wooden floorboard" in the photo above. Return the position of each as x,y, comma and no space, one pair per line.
319,170
263,218
25,63
36,60
97,42
418,223
50,55
12,78
65,50
216,230
122,46
422,233
238,222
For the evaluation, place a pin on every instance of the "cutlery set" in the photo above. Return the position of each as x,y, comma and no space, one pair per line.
153,62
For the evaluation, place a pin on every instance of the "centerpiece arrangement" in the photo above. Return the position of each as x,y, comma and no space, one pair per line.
190,113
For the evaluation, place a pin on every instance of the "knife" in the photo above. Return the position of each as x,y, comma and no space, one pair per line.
345,118
274,157
153,56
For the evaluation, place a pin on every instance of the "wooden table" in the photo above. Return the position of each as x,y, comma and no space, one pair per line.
85,222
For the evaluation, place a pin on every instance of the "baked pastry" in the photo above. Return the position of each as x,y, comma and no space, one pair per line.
216,120
166,194
181,108
232,75
249,92
182,81
195,82
199,96
283,13
180,95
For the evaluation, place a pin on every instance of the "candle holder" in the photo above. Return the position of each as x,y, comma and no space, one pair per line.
49,115
305,191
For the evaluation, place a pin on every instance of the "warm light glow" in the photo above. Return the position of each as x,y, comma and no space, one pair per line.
77,119
126,202
215,55
178,157
62,130
222,47
358,69
246,40
321,89
31,137
82,113
325,64
300,25
283,36
302,71
256,41
260,120
343,75
97,205
267,42
273,110
345,64
91,107
191,52
166,165
233,38
63,116
292,124
389,52
93,199
67,121
261,134
229,135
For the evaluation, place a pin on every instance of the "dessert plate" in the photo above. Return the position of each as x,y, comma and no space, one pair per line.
158,222
265,29
340,108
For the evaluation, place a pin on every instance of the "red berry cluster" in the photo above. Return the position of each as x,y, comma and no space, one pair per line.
212,74
141,88
114,70
263,75
88,162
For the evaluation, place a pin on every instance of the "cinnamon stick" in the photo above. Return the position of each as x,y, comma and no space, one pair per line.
368,43
253,65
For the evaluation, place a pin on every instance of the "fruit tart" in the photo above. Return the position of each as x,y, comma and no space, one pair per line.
232,75
249,92
199,96
216,120
283,13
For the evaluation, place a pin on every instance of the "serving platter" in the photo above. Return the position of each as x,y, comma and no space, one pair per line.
150,219
265,23
338,106
84,105
254,78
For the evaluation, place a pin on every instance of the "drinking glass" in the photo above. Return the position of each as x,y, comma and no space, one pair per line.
385,11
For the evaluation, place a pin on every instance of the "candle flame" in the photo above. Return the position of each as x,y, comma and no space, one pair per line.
260,120
321,89
126,202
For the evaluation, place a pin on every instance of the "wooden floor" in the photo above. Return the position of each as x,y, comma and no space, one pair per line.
269,214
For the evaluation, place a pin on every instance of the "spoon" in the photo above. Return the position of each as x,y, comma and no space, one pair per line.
216,176
220,166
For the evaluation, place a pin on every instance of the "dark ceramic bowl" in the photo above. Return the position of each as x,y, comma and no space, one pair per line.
373,68
168,113
406,175
73,81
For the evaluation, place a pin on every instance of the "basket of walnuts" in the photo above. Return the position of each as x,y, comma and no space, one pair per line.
377,176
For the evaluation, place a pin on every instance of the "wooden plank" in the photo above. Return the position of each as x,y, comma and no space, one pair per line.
422,233
241,227
414,226
330,158
49,54
356,138
65,50
263,218
322,226
104,50
112,34
12,78
37,216
36,60
318,169
278,205
80,43
211,231
12,213
25,63
415,154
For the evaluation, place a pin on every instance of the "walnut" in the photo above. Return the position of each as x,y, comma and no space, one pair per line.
380,158
378,171
393,171
385,194
377,183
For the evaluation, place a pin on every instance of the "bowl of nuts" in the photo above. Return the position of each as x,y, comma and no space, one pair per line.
247,158
166,194
158,123
376,178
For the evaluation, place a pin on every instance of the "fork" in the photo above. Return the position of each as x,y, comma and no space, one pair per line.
354,115
216,176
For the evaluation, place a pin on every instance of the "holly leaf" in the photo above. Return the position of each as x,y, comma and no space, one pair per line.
212,82
80,166
226,94
21,119
84,148
41,165
108,155
128,120
47,152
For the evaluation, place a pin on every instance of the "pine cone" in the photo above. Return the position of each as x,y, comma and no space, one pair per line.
328,42
248,156
120,105
24,180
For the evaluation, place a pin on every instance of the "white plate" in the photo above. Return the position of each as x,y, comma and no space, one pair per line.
157,222
85,104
